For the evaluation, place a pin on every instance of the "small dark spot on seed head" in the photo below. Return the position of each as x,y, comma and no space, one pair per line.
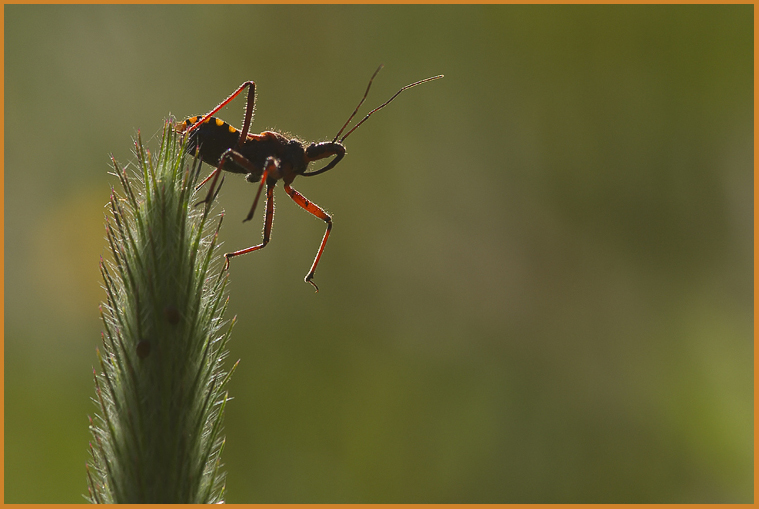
143,349
172,314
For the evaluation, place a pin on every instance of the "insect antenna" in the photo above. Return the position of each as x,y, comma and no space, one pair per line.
359,104
378,107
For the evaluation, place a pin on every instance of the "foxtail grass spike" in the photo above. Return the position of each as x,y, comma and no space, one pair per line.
162,389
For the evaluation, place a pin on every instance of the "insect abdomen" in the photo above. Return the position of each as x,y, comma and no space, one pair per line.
212,139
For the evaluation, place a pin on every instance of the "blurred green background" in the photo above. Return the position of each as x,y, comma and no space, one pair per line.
538,287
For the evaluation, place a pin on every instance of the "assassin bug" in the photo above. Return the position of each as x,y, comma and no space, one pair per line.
266,158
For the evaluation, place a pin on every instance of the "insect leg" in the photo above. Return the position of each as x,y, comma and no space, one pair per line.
213,174
318,212
271,165
251,85
229,154
268,221
209,197
240,160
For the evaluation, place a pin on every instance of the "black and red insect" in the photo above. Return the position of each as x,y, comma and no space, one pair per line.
266,158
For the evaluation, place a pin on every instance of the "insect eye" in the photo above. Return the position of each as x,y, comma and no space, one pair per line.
320,150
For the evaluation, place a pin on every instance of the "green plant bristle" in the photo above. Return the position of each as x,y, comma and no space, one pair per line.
161,388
